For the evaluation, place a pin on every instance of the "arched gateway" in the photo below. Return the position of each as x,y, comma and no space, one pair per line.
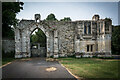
65,38
22,37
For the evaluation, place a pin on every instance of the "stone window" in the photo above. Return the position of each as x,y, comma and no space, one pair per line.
89,48
99,29
89,29
85,30
106,26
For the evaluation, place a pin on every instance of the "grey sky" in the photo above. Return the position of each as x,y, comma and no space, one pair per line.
74,10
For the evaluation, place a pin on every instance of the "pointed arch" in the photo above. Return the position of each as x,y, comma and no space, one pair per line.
23,47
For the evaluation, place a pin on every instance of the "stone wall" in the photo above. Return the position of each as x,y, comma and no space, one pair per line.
8,46
65,38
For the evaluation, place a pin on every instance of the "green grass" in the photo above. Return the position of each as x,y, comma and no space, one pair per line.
6,60
92,67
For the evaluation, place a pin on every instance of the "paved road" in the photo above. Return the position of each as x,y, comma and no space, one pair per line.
35,69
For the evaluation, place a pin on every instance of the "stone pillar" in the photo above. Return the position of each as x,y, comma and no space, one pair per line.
107,41
25,41
51,40
110,35
83,27
28,46
103,39
55,44
28,43
91,27
48,45
104,27
77,46
38,46
18,48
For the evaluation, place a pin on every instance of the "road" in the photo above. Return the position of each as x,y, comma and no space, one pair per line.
35,69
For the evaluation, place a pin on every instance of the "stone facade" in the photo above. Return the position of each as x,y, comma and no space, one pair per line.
66,38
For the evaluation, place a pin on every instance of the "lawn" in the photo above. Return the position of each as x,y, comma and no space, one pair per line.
92,67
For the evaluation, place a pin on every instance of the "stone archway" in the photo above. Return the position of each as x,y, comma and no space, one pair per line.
38,46
39,51
22,38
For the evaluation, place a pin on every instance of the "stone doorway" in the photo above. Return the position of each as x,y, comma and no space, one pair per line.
23,31
38,43
22,38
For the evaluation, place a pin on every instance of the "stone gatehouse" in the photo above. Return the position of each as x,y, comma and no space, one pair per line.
66,38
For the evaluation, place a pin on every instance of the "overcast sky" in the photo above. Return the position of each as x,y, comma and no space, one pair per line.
74,10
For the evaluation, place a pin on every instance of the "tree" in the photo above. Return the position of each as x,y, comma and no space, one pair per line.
9,11
51,17
39,37
66,19
116,39
34,38
109,19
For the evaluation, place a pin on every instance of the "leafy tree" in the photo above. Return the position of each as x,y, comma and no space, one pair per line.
109,19
9,11
51,17
66,19
116,39
34,38
39,37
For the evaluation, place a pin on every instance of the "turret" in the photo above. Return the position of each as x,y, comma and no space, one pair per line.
37,17
96,17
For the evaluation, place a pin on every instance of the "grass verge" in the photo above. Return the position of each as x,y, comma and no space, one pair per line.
92,67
